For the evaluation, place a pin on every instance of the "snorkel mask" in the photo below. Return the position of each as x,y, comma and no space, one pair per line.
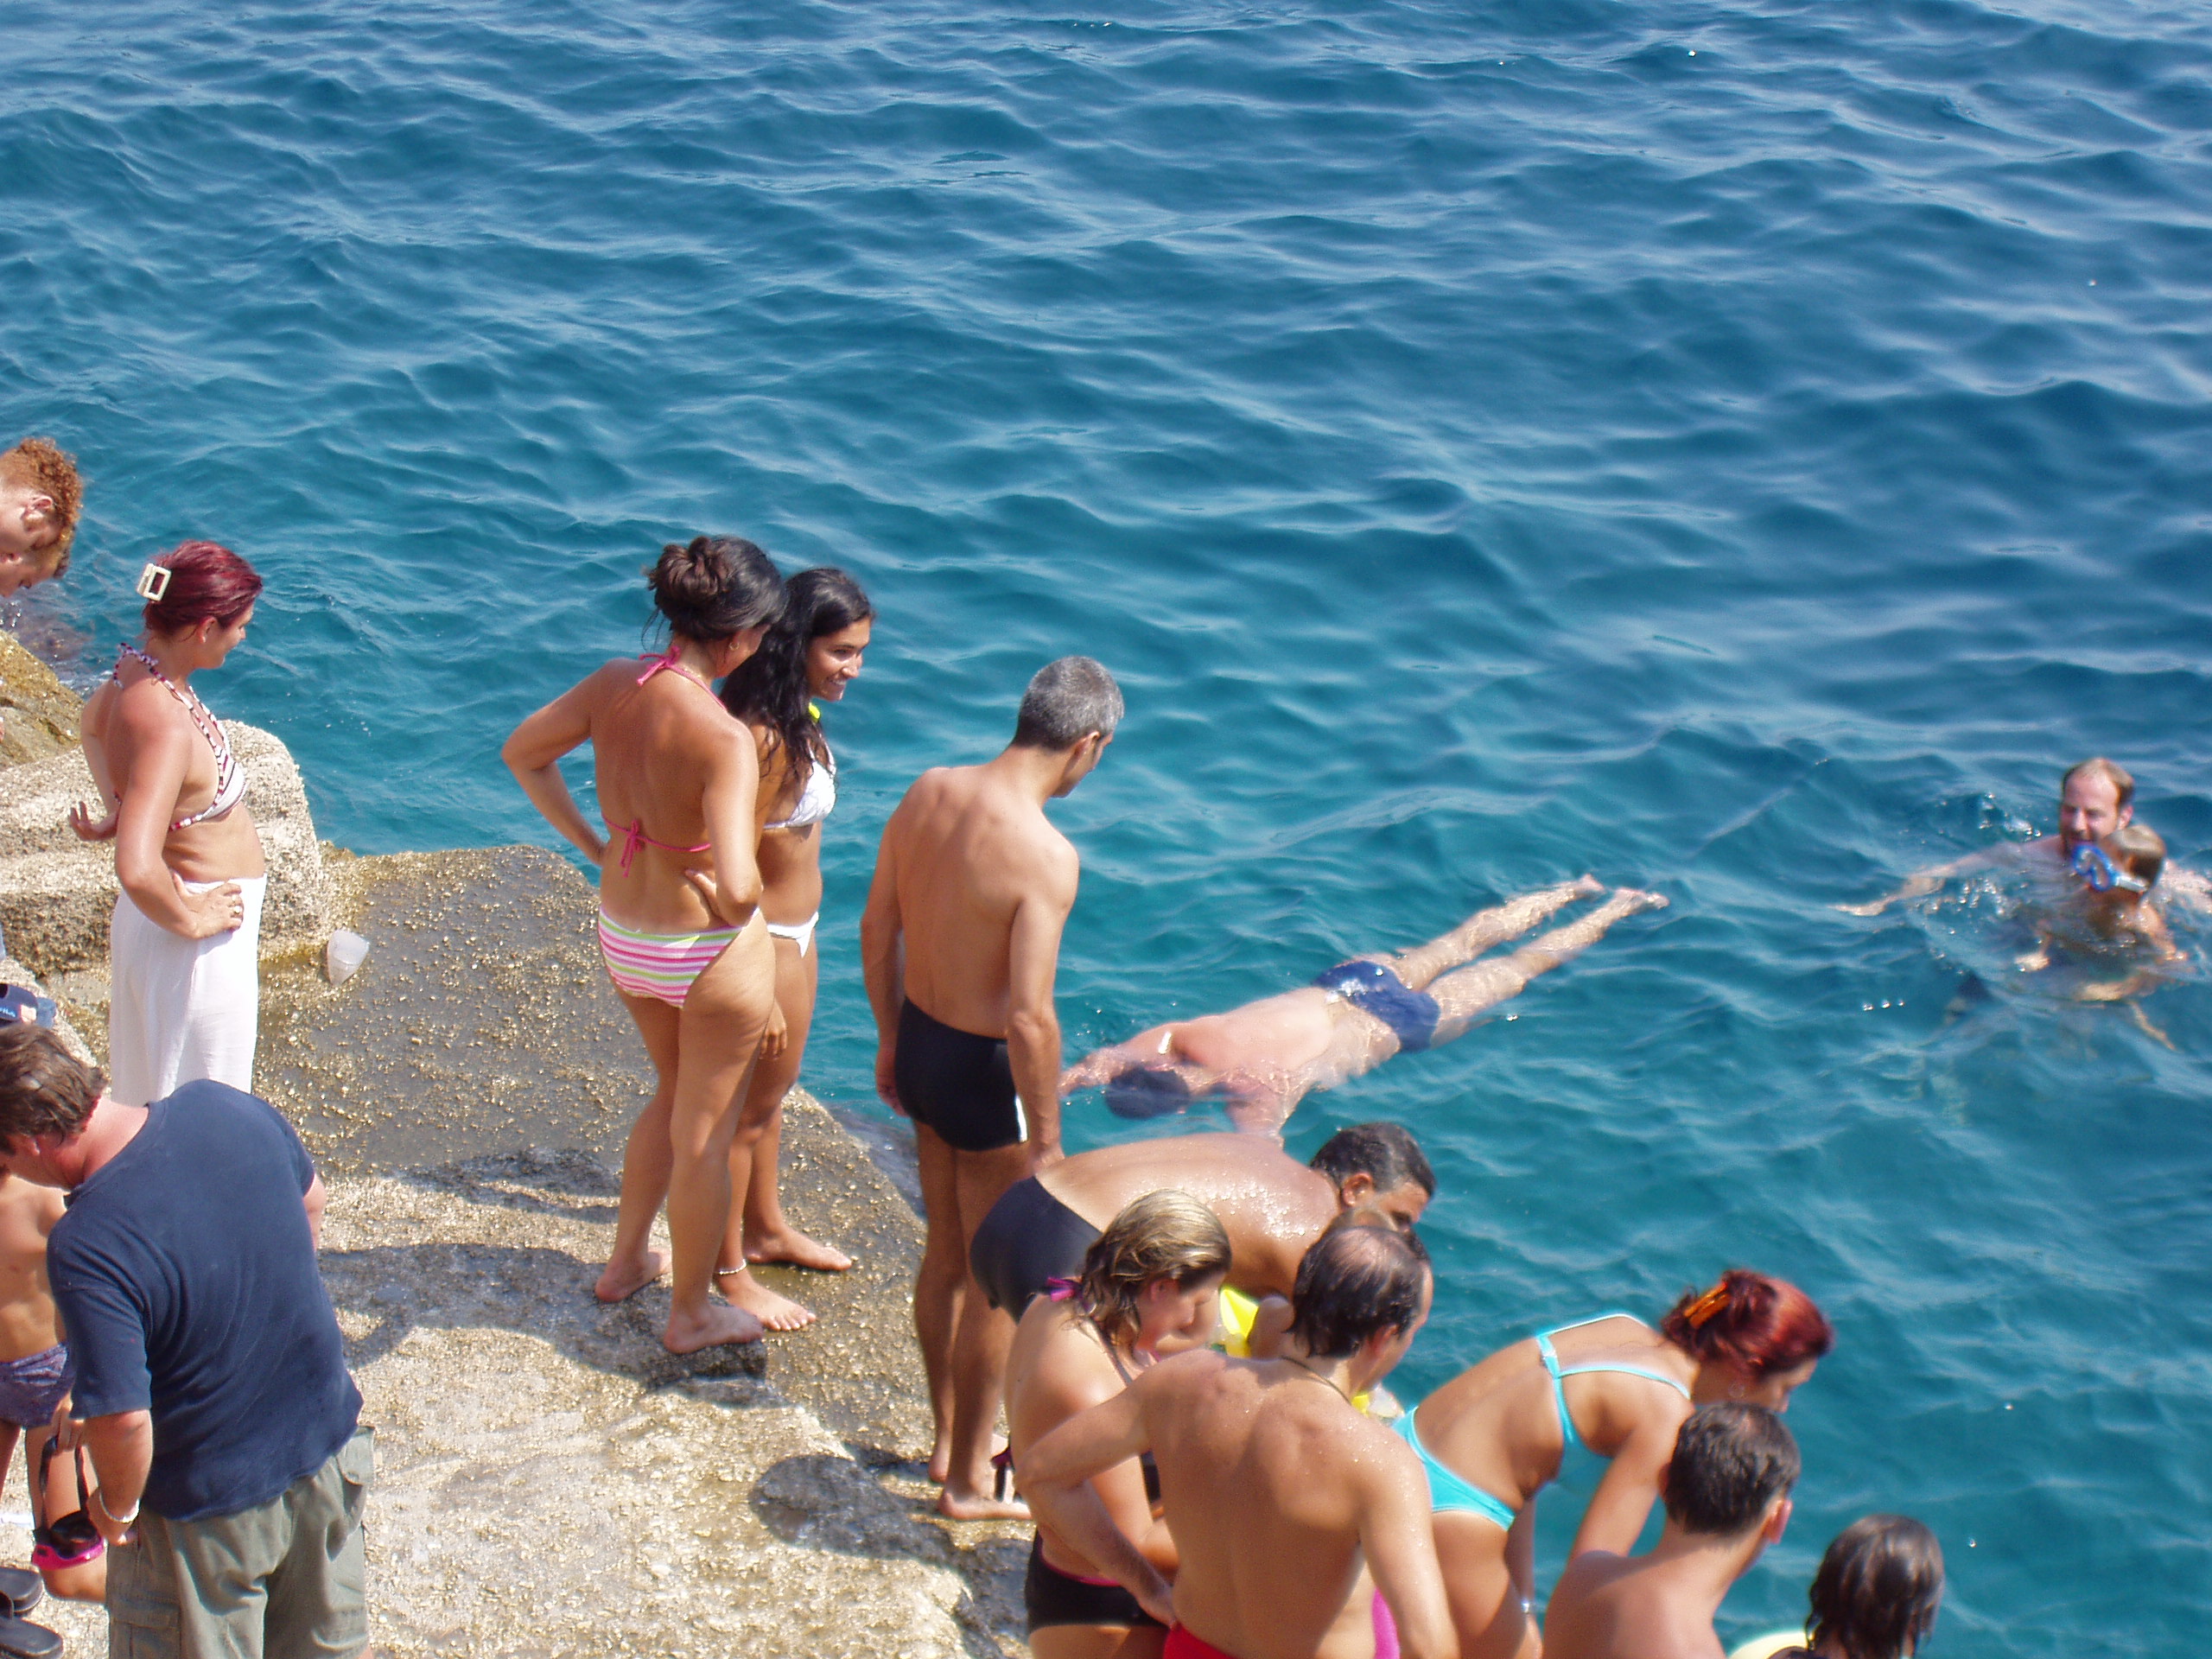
2094,866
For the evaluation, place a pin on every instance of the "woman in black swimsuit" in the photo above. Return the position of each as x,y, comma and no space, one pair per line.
1150,1288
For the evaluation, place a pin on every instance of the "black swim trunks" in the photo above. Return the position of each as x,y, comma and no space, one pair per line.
958,1083
1374,989
1054,1598
1029,1236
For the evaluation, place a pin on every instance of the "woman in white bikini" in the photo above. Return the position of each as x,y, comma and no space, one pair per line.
184,945
809,657
1608,1389
679,921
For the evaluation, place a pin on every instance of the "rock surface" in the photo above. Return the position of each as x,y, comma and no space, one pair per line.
551,1481
56,891
40,712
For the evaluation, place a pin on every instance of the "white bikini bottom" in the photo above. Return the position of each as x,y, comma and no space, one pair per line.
799,934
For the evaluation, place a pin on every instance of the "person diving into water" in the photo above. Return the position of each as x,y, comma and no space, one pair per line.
1262,1060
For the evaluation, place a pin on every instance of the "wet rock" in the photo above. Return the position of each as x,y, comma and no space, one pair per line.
40,712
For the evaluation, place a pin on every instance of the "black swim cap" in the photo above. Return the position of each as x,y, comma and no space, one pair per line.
1145,1092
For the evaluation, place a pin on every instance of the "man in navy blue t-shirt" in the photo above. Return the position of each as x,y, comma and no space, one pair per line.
210,1375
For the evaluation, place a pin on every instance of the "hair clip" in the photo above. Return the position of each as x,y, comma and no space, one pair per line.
154,582
1707,1305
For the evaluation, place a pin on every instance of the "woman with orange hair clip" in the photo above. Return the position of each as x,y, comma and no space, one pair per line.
1610,1388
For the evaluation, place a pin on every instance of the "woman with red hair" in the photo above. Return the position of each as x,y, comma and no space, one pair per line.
185,943
1609,1387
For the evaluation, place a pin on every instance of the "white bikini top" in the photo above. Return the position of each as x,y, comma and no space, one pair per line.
229,777
817,798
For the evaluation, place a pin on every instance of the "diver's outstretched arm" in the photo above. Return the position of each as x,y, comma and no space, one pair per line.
1102,1065
1482,986
1485,928
1921,883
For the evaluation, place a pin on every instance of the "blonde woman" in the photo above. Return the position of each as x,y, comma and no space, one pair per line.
1150,1288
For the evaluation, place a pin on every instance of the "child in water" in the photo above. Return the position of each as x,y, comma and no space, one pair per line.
35,1377
2114,914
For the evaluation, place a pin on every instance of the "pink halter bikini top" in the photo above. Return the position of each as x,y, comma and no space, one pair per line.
634,833
230,781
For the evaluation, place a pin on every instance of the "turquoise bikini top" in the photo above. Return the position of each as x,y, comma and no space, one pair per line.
1449,1493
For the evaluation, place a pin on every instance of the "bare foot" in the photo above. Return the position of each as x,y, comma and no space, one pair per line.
689,1332
1585,886
624,1279
792,1246
974,1506
1626,901
743,1290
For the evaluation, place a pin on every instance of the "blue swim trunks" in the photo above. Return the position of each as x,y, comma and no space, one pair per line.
1373,988
30,1388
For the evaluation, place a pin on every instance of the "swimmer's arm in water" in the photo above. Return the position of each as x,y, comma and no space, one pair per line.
2147,921
1102,1065
2035,961
1056,1478
2188,887
1921,883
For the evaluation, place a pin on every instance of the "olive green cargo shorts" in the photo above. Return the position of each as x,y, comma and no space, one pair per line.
284,1579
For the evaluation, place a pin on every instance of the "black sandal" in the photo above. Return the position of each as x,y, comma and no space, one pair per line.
20,1639
21,1590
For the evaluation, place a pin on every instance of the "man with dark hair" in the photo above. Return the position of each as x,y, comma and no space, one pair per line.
1271,1206
211,1377
959,945
1277,1491
1262,1060
1727,1495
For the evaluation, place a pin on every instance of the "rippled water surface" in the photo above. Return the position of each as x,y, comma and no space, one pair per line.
1744,449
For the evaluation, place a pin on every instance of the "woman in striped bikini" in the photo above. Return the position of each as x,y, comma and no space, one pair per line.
810,657
1609,1388
679,920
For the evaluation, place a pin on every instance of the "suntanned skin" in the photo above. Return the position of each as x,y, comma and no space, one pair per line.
2092,924
153,766
791,891
120,1446
973,885
1278,1493
1271,1206
1609,1605
1059,1366
1267,1056
2089,809
30,1324
665,751
1496,1424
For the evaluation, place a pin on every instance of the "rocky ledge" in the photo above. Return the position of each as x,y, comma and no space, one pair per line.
550,1480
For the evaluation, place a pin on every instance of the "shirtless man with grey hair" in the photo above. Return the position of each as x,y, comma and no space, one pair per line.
1278,1492
959,945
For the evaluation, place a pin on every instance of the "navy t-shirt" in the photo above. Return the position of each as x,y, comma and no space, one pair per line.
188,1287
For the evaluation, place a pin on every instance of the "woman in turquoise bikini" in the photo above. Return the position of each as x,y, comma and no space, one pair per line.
1610,1387
680,927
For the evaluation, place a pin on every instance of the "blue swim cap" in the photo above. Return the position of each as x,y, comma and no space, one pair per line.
1144,1092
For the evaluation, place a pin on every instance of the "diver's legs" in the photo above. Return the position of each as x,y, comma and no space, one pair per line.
1476,989
1483,928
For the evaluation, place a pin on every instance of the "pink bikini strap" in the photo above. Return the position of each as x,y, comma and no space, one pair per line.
671,664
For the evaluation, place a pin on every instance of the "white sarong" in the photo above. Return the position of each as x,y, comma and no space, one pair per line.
182,1009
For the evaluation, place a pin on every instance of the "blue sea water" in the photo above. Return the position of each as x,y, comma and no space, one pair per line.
1743,449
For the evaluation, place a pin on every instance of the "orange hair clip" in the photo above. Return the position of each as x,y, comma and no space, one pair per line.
1707,1305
